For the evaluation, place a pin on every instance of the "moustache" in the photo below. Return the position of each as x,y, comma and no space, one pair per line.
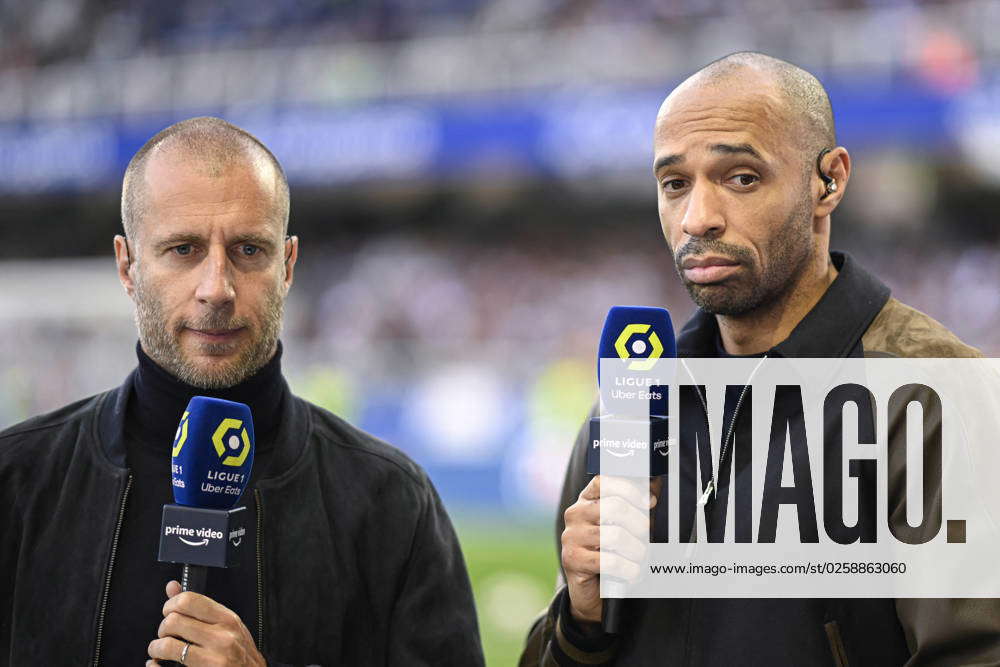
736,253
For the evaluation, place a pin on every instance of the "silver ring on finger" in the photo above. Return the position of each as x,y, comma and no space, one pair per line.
184,652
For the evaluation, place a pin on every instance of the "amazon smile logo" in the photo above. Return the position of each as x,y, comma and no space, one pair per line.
621,455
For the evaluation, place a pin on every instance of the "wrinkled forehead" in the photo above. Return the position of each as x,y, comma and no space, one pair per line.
696,118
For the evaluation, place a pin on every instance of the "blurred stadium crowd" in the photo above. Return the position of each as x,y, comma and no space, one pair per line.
471,182
36,34
72,58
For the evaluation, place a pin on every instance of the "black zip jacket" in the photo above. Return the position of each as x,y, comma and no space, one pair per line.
357,560
854,318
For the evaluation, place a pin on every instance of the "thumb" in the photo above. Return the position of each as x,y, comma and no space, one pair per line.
173,588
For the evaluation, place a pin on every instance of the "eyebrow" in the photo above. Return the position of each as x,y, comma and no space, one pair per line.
183,237
173,239
729,149
725,149
257,239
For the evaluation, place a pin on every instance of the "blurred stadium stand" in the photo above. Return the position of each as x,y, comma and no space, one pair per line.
471,182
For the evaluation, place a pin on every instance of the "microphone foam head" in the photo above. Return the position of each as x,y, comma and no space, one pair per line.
639,334
212,453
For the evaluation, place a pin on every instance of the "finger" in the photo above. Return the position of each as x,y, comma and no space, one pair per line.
615,511
593,489
583,512
604,563
607,538
171,648
584,536
189,629
618,567
579,563
618,540
610,510
655,486
198,606
636,491
173,588
632,490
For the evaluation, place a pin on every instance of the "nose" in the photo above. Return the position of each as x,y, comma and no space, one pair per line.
703,217
215,286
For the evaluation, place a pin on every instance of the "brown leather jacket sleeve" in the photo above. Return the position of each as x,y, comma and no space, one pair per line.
939,631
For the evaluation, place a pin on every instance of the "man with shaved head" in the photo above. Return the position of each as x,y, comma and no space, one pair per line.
349,557
178,161
748,174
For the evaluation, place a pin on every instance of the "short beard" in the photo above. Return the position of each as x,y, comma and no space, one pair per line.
787,255
162,343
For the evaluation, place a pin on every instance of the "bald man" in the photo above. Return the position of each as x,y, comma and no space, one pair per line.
748,174
349,557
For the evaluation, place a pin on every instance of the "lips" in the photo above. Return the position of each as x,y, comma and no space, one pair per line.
217,335
711,269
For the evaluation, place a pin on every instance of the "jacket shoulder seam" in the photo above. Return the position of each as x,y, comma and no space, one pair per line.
16,431
23,427
416,478
896,319
340,441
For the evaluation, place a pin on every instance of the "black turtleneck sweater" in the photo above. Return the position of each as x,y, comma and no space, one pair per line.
138,579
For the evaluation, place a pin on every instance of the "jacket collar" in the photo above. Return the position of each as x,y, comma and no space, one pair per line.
833,328
290,439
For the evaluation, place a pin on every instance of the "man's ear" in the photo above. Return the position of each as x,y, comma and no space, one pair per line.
123,260
291,255
836,166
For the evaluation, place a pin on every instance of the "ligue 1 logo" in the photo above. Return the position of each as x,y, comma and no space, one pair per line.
644,350
181,436
233,442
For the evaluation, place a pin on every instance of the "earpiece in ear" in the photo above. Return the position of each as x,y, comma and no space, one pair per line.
831,185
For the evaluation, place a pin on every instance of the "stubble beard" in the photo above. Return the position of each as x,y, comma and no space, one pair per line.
161,341
788,254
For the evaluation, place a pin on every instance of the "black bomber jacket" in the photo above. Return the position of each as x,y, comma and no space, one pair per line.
358,563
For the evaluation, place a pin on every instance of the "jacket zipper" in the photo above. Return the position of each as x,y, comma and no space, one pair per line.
260,572
836,644
712,488
107,577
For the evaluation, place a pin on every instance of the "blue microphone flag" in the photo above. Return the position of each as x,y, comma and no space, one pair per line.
634,384
212,454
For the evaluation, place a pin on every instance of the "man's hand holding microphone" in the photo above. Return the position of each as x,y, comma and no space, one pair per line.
620,544
607,530
203,530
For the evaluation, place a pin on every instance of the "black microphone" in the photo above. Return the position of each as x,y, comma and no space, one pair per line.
211,460
633,340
